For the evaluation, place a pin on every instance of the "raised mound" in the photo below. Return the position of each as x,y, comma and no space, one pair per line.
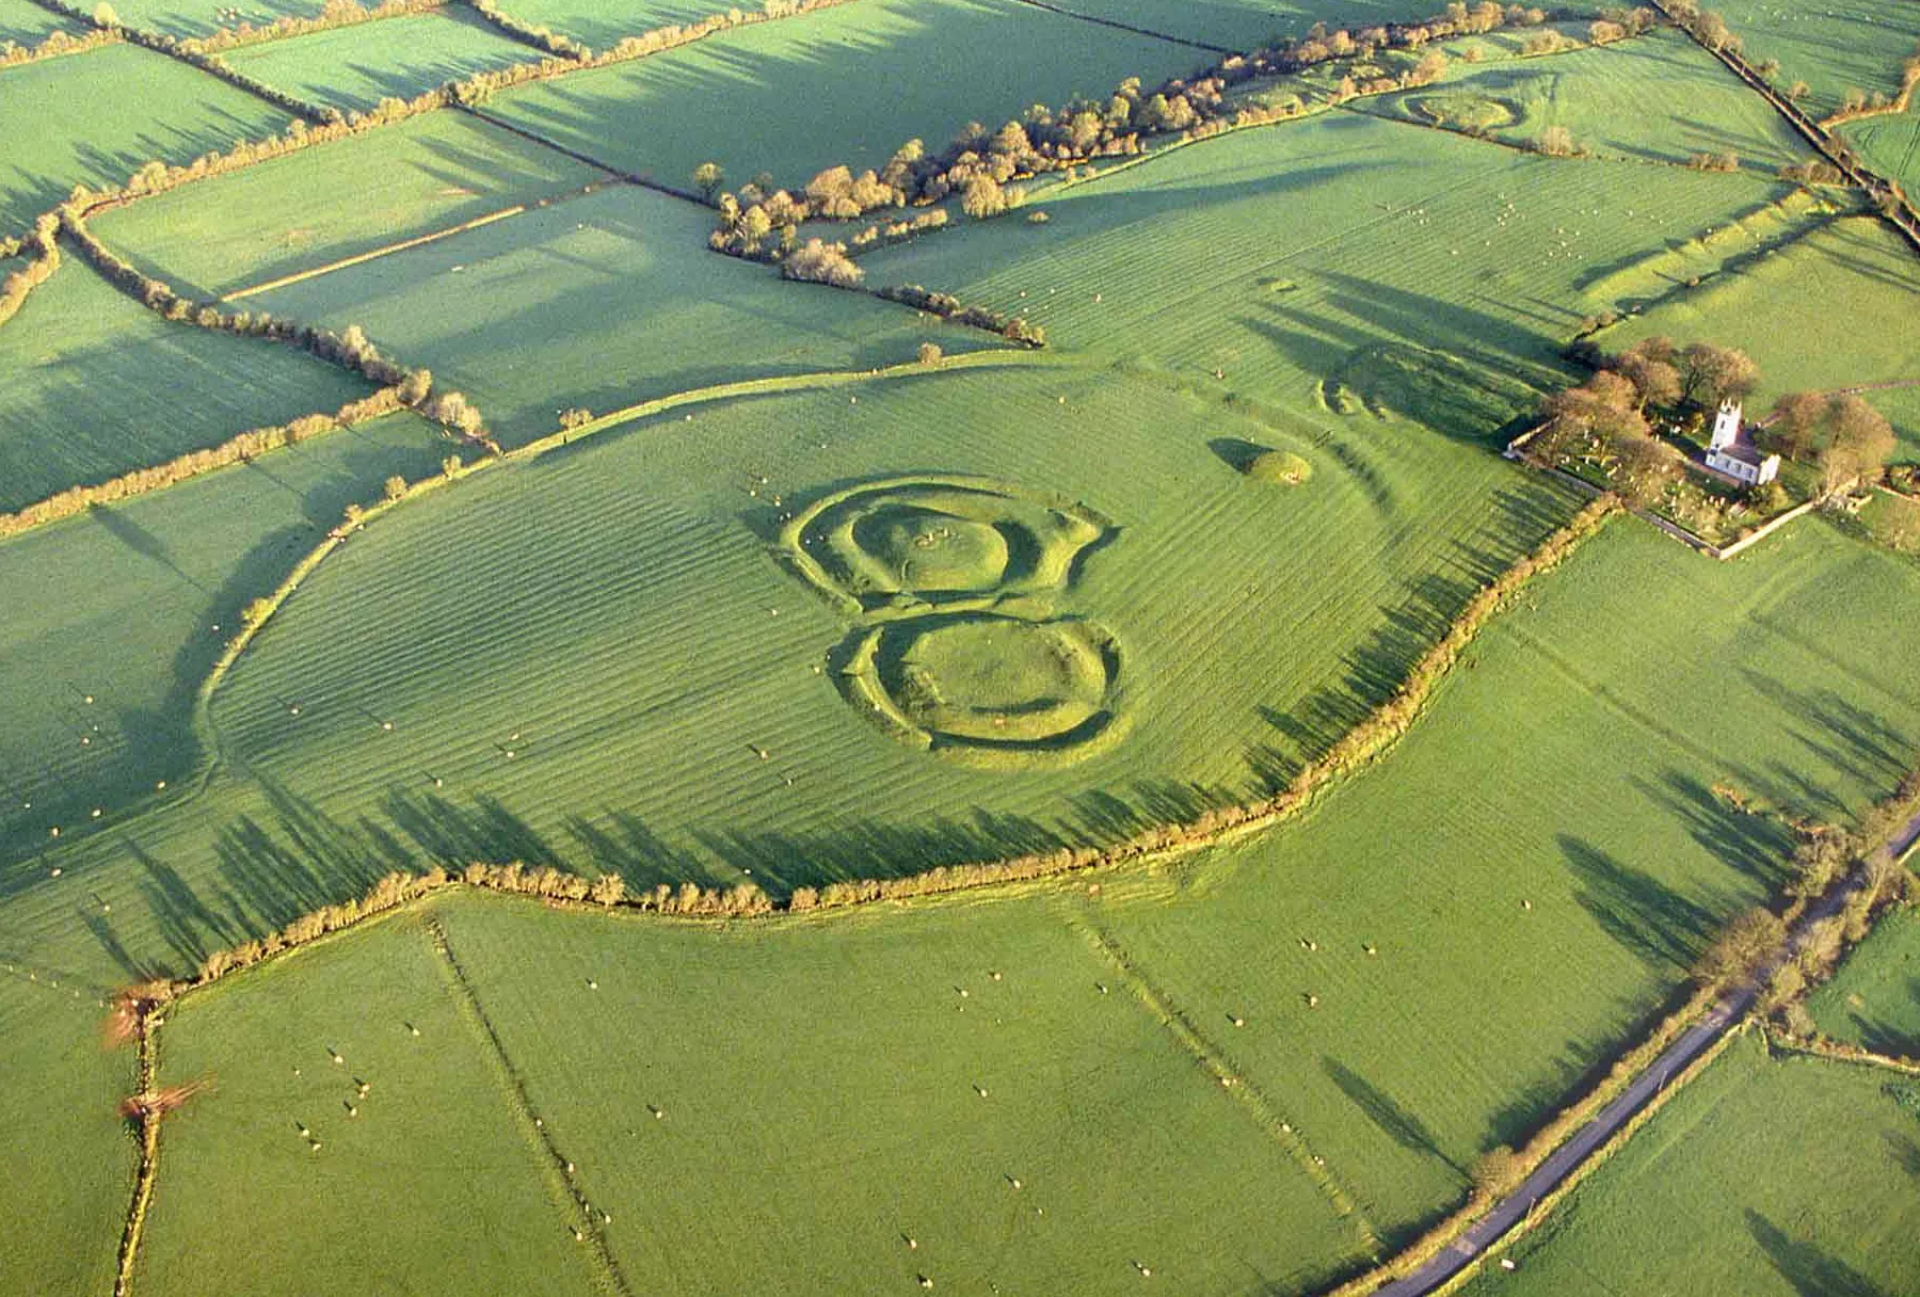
1465,111
908,546
988,689
1281,467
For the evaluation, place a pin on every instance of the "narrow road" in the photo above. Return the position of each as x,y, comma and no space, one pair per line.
1564,1160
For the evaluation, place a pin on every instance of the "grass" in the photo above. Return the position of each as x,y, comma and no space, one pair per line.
118,606
1658,98
435,1186
356,67
1789,1176
98,385
1541,858
1834,48
1247,24
139,106
794,97
598,303
1349,269
1890,146
336,201
1126,1152
185,18
70,1160
1874,1000
1829,310
599,24
26,23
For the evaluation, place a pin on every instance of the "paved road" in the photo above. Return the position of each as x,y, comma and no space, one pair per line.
1671,1062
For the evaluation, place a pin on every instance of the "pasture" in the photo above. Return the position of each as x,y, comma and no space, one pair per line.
426,1180
599,24
1833,47
795,96
1890,146
339,200
356,67
1829,310
1791,1176
96,385
69,1159
1874,999
125,601
1455,941
138,107
188,18
597,303
26,23
1658,98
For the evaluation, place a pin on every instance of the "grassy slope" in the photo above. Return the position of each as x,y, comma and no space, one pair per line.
821,1091
69,1162
1602,96
119,605
26,23
600,302
1791,1177
138,106
92,385
1833,310
599,24
1834,47
335,201
435,1186
356,67
1874,1000
201,17
1381,265
1567,764
793,97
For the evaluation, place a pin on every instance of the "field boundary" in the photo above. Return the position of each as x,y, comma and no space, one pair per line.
1148,32
1215,1064
586,1228
374,254
632,178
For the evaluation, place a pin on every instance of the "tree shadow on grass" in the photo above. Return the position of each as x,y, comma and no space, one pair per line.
1756,846
1659,925
1812,1271
1398,1123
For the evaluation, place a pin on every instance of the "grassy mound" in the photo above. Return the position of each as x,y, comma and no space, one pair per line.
1281,467
1465,111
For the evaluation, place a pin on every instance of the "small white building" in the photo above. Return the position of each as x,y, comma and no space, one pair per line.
1732,452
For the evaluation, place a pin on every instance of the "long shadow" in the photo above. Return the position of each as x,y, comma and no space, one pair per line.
1812,1271
1886,1037
1399,1124
1659,925
1757,846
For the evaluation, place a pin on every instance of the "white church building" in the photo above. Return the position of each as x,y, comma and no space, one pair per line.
1732,452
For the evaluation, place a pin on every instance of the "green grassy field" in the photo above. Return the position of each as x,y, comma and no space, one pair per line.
793,97
1829,310
1874,1000
95,385
599,24
1345,267
1247,24
1658,98
186,18
1540,859
69,1159
139,106
26,23
1834,48
1890,146
1790,1177
428,1182
340,200
356,67
600,302
123,602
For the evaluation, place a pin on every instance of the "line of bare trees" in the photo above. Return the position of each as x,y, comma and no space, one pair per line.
1013,328
55,44
42,251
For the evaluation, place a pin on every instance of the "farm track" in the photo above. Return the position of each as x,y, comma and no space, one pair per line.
1230,1079
554,1165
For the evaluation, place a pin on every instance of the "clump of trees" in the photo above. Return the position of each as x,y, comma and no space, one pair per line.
1721,162
819,262
1839,431
1704,25
1557,142
1013,328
